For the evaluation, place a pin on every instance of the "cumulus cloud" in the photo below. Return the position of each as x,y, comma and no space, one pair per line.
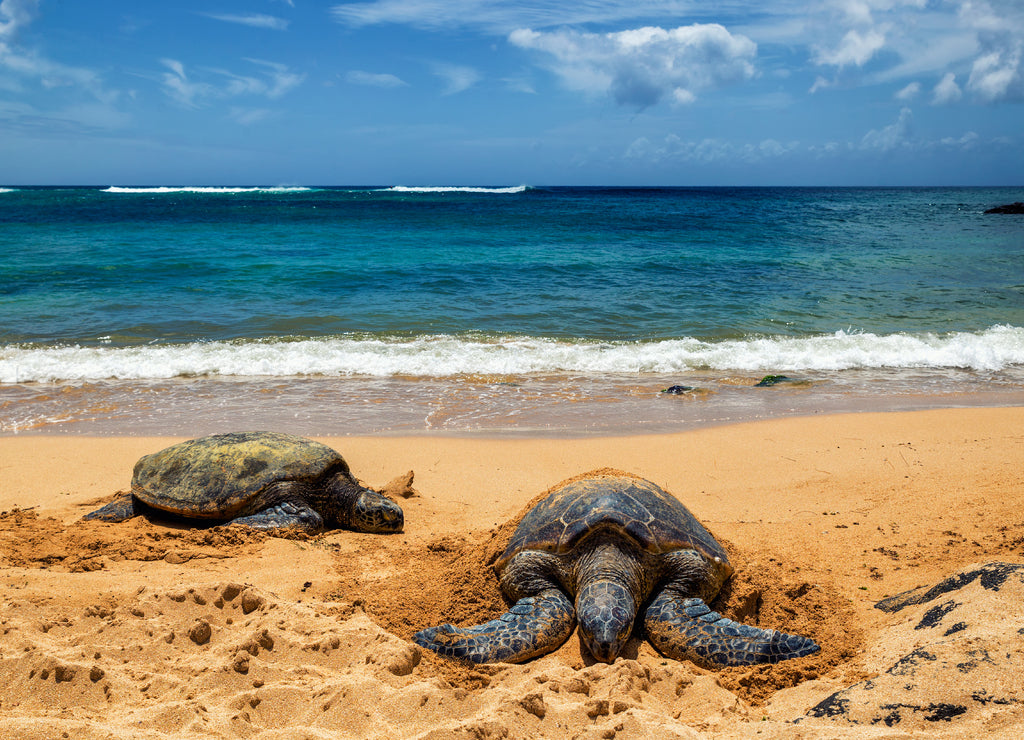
998,74
255,20
894,136
641,66
370,79
947,91
856,48
909,92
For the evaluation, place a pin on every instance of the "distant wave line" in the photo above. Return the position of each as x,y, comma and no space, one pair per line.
203,189
457,189
993,349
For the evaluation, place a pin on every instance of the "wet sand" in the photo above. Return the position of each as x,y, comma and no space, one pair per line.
143,629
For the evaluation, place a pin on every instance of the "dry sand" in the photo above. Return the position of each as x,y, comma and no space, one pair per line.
144,630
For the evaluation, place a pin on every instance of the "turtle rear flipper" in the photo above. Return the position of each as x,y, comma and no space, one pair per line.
535,625
687,629
285,515
121,509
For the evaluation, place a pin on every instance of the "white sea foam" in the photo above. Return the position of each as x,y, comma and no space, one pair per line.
197,189
7,190
457,189
994,349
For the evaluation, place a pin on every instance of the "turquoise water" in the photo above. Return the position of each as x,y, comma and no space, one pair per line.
416,297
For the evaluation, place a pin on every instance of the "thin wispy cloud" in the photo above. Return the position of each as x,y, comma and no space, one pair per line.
457,78
15,15
29,67
274,81
895,39
254,20
371,79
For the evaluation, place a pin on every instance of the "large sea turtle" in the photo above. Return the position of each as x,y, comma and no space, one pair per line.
264,480
618,545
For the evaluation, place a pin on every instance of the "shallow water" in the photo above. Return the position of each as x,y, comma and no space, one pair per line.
564,310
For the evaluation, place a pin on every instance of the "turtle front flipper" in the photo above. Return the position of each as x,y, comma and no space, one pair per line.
687,629
284,515
535,625
121,509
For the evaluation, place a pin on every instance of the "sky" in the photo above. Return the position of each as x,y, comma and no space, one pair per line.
493,92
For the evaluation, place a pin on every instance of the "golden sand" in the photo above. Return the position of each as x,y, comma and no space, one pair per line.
143,629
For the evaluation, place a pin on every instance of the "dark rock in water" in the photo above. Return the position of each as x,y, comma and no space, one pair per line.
1017,207
677,390
770,380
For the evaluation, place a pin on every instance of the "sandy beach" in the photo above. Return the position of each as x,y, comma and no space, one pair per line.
146,630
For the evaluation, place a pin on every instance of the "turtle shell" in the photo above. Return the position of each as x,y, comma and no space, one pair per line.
216,477
631,507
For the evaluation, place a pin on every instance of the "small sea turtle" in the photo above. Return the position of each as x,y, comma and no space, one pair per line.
263,480
619,545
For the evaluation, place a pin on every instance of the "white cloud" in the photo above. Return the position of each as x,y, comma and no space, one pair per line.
639,67
370,79
909,92
249,116
178,86
502,16
457,78
673,149
947,91
279,79
275,81
255,20
900,39
856,49
14,14
31,67
893,136
998,74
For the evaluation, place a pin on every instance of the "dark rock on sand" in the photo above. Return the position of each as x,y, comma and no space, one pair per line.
678,390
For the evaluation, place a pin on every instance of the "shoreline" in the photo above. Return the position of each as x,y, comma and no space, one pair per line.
822,516
489,405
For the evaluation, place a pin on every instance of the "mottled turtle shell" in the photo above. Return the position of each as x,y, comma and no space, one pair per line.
623,505
217,477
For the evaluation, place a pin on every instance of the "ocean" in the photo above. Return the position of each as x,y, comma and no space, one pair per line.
505,310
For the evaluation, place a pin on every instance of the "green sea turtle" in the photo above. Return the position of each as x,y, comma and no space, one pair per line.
263,480
619,545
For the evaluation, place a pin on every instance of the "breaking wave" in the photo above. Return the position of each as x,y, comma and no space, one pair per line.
208,190
994,349
457,189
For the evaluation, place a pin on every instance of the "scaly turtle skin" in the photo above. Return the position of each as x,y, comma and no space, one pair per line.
598,551
263,480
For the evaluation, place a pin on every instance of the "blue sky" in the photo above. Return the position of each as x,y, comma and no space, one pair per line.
546,92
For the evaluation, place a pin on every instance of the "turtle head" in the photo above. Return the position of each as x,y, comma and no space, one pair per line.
353,506
605,610
373,512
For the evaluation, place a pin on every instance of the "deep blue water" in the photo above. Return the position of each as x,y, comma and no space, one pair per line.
81,265
99,284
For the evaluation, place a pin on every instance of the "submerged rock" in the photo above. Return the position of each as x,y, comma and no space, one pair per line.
1017,207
